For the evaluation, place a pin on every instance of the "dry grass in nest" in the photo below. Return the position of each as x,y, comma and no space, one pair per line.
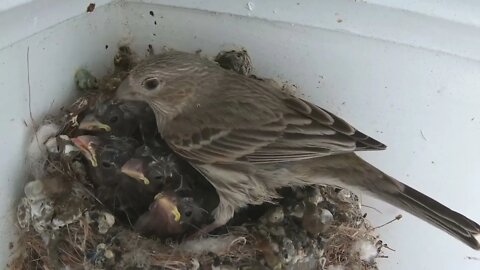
346,232
32,253
340,246
67,249
76,245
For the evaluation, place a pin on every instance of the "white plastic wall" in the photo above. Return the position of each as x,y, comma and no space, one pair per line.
406,73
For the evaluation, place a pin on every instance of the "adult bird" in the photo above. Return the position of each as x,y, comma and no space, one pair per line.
249,138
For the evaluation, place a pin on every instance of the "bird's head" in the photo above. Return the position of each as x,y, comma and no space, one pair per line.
167,82
135,168
116,117
107,153
152,167
91,122
87,145
163,217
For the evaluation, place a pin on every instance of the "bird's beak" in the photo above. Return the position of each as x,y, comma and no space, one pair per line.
90,122
86,145
134,168
162,218
125,91
166,204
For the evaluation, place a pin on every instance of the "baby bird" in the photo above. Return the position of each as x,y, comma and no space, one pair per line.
125,197
122,119
171,215
185,200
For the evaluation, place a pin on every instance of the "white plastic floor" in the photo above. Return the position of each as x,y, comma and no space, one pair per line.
407,74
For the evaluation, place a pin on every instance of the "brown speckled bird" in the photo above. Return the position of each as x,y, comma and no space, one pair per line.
249,138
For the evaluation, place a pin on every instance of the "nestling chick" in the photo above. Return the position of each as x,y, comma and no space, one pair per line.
179,185
153,165
249,138
124,196
122,119
161,167
172,215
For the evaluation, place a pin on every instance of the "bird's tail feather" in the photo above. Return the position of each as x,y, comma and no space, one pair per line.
357,173
426,208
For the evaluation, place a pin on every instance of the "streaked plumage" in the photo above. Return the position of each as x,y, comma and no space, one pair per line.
249,139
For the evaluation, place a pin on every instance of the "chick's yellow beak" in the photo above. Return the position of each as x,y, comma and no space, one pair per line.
90,122
134,168
168,205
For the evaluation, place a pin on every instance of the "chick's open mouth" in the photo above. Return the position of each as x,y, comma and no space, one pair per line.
87,146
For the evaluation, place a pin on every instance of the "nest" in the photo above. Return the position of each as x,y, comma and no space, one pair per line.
64,226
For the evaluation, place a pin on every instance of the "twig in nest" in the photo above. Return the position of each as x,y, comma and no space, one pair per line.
387,247
393,220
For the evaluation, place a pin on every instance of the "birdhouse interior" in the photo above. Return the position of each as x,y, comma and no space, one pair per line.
91,182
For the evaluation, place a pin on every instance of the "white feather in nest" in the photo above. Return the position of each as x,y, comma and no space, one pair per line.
366,250
37,152
216,245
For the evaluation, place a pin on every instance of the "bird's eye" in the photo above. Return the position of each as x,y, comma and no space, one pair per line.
158,178
106,165
151,83
188,213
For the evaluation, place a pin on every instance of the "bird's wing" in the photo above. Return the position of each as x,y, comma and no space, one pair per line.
313,132
276,128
